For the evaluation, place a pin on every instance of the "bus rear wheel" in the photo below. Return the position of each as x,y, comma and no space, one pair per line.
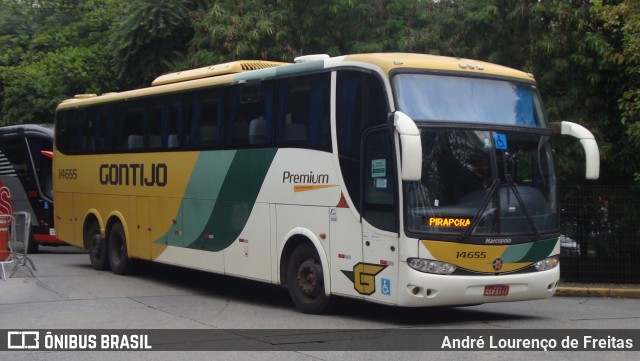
97,247
118,257
305,280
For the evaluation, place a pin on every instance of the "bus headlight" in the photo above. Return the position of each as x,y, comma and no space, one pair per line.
431,266
547,263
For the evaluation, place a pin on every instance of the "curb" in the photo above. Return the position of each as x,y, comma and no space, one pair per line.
586,291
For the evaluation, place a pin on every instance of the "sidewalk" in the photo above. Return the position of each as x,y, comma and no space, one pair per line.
598,290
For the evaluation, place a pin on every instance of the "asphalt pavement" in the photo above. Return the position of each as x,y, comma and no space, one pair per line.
65,288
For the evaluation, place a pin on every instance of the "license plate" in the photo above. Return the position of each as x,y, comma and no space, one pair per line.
496,290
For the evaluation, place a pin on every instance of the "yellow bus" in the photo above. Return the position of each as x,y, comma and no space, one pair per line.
403,179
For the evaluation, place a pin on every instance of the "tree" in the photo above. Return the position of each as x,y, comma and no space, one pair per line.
616,37
585,54
151,39
55,49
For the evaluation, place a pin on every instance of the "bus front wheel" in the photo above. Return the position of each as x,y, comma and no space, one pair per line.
97,247
118,257
305,280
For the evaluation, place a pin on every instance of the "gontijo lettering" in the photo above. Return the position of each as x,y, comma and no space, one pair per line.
135,174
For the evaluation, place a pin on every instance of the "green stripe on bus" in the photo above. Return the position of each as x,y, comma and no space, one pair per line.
540,250
237,196
515,253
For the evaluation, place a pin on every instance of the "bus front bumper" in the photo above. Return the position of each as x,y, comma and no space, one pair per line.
418,289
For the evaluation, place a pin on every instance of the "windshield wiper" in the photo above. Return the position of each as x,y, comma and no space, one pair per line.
512,186
485,203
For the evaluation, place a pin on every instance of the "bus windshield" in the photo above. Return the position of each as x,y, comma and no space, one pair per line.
426,97
483,182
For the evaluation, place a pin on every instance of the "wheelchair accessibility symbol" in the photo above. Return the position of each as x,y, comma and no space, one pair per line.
500,141
386,286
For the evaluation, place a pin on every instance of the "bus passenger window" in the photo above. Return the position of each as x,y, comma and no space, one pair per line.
303,119
251,119
203,118
135,119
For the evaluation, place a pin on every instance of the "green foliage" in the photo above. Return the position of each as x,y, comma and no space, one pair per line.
615,35
35,89
52,49
251,29
151,39
585,54
283,29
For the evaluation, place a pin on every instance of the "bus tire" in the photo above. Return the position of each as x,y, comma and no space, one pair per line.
97,247
305,280
118,257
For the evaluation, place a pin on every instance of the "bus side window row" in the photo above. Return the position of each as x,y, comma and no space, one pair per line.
286,112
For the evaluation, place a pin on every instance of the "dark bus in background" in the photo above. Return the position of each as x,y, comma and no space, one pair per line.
25,178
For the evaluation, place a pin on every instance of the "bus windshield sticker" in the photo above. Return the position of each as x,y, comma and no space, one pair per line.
381,183
378,168
501,141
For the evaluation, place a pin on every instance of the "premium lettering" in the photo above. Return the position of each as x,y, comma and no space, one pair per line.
288,177
136,174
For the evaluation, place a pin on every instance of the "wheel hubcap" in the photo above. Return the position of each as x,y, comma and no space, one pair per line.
308,279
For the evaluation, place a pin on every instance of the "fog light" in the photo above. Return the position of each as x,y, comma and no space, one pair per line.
431,266
547,263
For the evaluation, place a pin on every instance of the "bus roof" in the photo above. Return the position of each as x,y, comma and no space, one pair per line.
244,70
393,61
215,70
45,129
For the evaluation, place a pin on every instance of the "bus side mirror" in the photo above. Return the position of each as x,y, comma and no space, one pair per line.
410,146
589,145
